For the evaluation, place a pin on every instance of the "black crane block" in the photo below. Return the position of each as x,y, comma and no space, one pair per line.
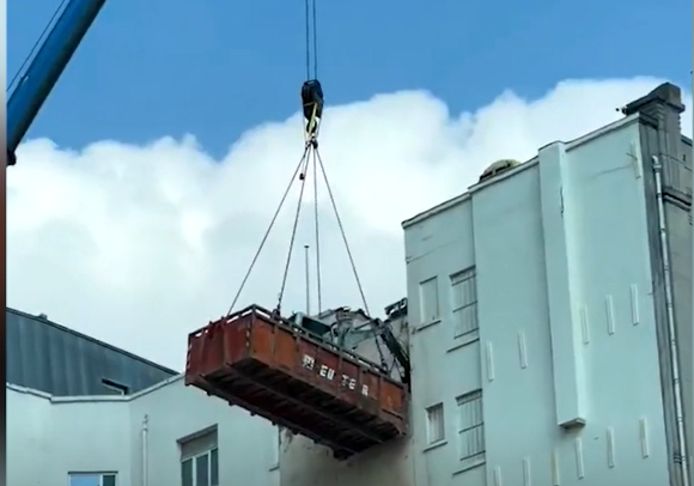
312,100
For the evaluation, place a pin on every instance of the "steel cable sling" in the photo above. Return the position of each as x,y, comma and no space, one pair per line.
312,100
311,94
311,156
267,232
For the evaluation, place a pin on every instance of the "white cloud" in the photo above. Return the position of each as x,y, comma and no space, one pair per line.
138,245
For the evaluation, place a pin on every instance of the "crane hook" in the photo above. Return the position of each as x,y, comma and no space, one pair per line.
312,100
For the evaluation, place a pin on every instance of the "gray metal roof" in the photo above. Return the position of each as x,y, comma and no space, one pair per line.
51,358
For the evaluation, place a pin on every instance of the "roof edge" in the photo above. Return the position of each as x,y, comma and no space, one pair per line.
91,398
605,129
449,203
570,145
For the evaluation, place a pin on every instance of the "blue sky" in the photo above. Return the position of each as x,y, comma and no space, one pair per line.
215,68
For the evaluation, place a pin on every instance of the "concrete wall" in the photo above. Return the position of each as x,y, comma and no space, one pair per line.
305,463
104,434
444,367
46,440
680,242
679,224
567,322
660,143
687,325
246,444
663,145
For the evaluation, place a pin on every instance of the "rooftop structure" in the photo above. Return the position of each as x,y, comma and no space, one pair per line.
45,356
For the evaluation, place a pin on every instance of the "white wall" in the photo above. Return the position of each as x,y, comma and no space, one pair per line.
47,440
305,463
49,437
554,244
443,367
245,443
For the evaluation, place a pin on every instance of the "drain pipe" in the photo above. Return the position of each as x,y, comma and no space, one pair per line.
674,355
145,460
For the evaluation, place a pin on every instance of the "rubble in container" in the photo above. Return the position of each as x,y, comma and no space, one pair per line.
299,373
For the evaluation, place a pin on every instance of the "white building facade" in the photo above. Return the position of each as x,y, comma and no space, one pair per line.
166,435
541,318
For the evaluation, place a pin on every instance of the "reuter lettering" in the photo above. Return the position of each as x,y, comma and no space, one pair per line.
324,371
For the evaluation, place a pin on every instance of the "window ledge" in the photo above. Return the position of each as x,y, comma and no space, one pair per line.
435,445
470,465
426,325
274,467
464,340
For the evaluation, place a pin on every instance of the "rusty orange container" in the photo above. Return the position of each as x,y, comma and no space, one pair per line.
279,371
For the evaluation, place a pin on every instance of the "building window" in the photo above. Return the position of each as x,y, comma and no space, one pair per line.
92,479
470,426
464,302
435,426
199,460
115,387
429,300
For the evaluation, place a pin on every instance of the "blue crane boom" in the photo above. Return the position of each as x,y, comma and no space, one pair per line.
37,82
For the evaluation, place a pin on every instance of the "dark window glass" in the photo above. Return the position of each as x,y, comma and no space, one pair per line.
109,480
202,471
214,469
187,472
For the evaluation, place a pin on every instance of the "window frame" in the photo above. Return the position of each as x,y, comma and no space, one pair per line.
193,458
428,414
459,278
475,395
426,320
